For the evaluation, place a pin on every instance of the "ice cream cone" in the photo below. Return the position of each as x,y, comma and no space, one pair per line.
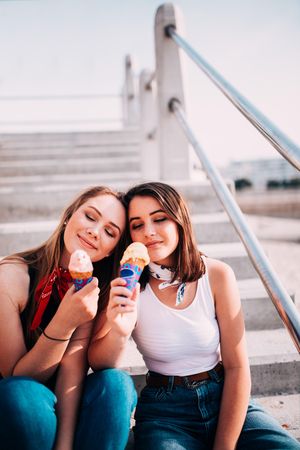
80,268
134,260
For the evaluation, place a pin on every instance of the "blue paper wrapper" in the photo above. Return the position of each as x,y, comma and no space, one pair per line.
79,283
131,273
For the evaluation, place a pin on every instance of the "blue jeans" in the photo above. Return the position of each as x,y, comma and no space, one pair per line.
28,418
185,418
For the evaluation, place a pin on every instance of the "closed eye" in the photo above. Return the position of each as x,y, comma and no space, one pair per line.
109,233
161,219
90,217
135,226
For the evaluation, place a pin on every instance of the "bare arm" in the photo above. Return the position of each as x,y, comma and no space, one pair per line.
237,383
71,376
113,327
43,359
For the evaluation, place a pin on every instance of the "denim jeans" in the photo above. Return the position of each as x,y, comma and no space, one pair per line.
185,418
28,418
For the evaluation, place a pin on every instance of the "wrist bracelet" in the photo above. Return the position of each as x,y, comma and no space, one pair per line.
54,339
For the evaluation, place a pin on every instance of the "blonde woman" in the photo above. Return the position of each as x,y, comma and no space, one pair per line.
47,401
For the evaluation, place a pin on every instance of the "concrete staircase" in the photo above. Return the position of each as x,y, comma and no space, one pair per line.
41,173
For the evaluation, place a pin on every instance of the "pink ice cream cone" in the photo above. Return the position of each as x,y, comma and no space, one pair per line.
80,268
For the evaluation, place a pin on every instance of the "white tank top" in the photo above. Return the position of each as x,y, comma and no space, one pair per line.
178,342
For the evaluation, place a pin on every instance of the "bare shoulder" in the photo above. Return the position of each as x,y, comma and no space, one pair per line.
14,281
219,274
217,268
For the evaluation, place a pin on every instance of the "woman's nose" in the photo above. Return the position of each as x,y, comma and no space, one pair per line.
93,232
149,230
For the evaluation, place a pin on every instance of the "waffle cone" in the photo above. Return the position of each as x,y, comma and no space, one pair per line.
136,262
80,275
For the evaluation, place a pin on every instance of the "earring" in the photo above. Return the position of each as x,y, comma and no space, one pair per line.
65,223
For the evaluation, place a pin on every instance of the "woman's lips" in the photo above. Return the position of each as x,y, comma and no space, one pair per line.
87,243
153,244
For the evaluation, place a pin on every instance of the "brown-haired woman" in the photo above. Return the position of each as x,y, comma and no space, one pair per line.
46,400
188,325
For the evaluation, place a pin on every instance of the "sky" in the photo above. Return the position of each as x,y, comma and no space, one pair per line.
75,47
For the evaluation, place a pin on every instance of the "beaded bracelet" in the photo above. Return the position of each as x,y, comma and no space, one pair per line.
54,339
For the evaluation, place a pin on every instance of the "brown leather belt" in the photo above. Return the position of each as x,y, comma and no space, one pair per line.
158,380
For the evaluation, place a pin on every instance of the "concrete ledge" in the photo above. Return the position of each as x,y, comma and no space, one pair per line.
38,181
285,409
274,377
69,165
54,139
60,152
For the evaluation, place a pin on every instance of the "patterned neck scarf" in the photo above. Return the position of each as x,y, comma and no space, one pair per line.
61,278
165,274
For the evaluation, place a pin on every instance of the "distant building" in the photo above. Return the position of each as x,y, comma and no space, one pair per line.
261,171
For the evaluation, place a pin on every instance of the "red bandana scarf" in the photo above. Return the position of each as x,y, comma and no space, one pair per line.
61,278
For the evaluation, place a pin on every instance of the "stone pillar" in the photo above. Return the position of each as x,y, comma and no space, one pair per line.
174,148
131,103
150,163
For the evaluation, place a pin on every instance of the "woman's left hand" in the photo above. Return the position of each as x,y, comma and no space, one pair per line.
76,308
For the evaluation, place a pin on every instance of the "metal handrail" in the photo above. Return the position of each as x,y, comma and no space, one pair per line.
288,149
279,296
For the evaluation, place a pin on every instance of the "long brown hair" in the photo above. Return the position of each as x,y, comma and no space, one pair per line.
189,263
44,258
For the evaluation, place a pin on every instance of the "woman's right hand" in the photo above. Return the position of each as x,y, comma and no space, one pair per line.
78,307
121,310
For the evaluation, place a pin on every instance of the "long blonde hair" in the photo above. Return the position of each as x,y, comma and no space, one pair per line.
44,258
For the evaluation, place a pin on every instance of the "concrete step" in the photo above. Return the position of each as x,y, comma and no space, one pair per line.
69,165
52,139
200,196
232,253
45,183
44,196
67,151
285,409
274,363
214,227
31,191
258,309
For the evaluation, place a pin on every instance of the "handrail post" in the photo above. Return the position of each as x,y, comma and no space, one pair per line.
150,163
174,147
130,94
